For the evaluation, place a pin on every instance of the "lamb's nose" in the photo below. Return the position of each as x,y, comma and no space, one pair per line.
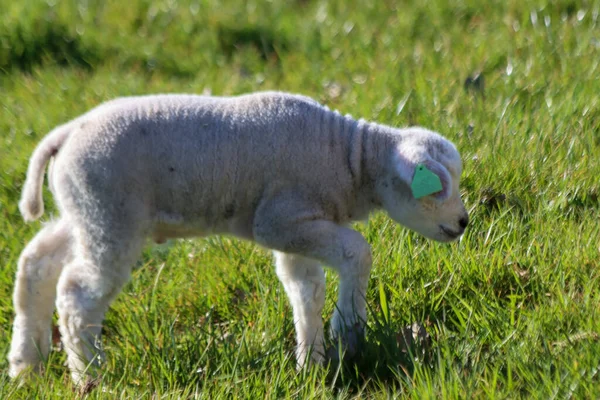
463,222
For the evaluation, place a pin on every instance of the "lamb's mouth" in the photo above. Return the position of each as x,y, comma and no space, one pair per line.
450,233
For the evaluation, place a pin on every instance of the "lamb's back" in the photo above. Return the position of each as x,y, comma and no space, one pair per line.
199,154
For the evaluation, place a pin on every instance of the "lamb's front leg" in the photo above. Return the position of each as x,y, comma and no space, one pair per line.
350,255
304,283
345,250
350,314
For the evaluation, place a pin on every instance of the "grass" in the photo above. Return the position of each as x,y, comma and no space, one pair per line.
513,309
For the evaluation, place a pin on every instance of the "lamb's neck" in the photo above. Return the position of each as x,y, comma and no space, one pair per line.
367,147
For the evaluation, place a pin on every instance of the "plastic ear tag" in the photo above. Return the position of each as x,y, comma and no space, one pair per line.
425,182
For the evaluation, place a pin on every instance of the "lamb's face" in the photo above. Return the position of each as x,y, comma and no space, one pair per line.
439,216
436,218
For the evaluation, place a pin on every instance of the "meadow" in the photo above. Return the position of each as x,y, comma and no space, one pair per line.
512,309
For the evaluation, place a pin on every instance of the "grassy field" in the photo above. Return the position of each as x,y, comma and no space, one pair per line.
513,309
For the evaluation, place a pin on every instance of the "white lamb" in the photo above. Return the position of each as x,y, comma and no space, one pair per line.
275,168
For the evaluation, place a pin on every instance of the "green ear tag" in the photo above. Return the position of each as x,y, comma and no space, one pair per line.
425,182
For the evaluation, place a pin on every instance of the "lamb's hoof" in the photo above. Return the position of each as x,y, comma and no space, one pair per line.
347,344
310,356
21,370
22,373
88,385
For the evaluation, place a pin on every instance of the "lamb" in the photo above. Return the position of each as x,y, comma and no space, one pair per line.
275,168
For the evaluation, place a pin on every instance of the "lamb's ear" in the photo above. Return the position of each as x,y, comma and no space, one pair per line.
444,176
424,177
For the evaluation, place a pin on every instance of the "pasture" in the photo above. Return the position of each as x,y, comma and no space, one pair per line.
512,309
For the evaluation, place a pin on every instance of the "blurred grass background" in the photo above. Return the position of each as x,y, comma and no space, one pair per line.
512,309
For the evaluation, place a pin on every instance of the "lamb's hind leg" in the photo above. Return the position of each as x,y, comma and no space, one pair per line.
38,270
86,288
304,283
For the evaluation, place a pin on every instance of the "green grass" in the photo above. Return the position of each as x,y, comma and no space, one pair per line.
513,309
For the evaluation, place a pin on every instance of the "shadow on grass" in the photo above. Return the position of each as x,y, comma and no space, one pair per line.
216,352
386,358
26,45
266,42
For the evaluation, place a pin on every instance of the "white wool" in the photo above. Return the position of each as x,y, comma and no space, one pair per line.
275,168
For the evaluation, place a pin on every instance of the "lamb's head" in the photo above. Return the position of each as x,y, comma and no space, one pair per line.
440,215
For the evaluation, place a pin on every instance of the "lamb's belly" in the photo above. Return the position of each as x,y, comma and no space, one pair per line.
173,226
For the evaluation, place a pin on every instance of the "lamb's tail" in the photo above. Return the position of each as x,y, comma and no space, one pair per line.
32,204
